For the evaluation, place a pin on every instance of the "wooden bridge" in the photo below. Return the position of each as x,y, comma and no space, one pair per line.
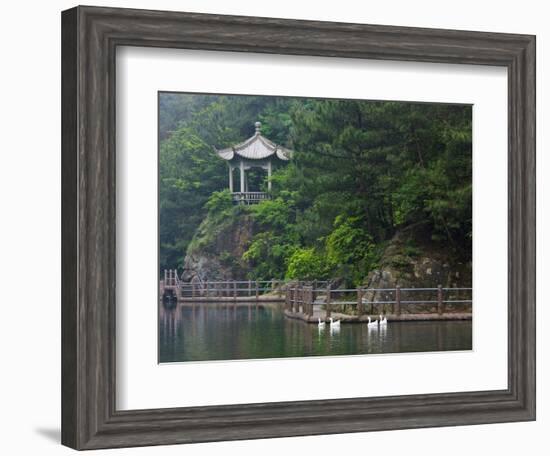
313,300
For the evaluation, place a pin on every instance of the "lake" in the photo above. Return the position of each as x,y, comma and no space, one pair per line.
214,332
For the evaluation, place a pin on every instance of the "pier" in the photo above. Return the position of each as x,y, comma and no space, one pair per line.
311,301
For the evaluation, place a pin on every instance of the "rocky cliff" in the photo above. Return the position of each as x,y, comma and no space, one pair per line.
217,249
412,260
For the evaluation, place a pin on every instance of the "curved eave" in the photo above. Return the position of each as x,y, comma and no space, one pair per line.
255,148
226,154
284,154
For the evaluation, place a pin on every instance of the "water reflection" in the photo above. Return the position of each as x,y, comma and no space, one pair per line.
235,331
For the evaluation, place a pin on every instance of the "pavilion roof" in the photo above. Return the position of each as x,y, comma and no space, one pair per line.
257,147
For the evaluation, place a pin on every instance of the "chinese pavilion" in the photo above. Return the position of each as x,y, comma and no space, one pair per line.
255,152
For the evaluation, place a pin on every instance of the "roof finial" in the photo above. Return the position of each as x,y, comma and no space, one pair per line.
258,126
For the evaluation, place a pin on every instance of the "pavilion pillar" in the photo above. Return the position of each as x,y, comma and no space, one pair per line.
269,176
242,176
230,178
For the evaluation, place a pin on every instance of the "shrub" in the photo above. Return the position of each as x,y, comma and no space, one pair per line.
306,264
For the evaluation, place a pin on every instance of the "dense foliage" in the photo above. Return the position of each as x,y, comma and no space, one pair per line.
360,171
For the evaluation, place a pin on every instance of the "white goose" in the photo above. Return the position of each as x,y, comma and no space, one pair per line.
372,324
334,324
383,321
321,324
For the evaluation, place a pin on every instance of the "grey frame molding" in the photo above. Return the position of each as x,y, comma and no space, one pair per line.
90,36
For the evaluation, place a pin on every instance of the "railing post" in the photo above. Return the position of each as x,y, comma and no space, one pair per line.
359,301
286,300
398,300
250,288
439,300
315,285
328,303
193,290
297,299
257,290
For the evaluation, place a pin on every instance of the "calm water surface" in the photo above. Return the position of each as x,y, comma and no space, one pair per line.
213,332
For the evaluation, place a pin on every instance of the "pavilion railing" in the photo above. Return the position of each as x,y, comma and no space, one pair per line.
250,197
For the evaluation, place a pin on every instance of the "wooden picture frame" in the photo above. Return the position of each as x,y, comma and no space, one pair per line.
90,36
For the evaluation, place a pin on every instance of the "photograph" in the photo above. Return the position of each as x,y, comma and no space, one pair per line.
292,227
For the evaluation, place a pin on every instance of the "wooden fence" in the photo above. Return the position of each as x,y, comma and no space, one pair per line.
304,298
237,289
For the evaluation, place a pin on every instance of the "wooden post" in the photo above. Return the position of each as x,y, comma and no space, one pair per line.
257,290
289,291
297,299
250,288
193,289
286,300
314,297
359,301
234,291
328,303
397,300
440,307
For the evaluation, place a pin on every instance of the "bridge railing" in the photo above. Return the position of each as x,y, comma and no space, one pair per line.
303,298
230,288
240,288
171,279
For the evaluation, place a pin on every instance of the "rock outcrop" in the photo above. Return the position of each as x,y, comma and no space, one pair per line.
412,261
216,252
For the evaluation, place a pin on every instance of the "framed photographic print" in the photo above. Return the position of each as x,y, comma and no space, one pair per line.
301,227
